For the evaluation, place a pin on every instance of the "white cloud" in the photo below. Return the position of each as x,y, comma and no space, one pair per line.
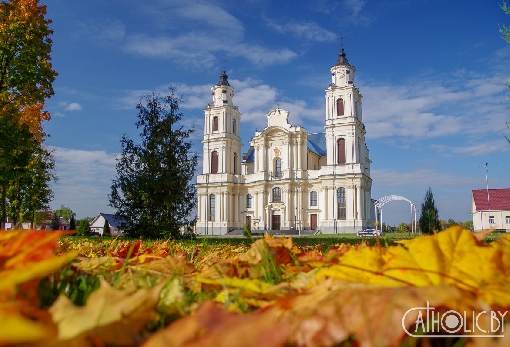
309,31
461,103
103,31
478,149
419,177
73,106
84,180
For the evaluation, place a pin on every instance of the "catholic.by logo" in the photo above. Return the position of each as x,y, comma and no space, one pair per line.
451,323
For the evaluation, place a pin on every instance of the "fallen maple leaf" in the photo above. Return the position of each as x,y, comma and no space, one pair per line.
213,326
116,317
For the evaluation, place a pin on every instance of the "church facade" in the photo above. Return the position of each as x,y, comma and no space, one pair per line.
289,179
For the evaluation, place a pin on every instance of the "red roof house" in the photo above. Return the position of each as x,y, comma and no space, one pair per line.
491,209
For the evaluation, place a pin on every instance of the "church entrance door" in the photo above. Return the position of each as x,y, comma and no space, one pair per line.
275,222
313,221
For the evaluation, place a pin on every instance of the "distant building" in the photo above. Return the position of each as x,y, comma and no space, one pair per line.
289,179
491,210
97,224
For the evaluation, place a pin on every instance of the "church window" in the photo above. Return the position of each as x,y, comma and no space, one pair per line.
214,162
340,107
234,126
340,151
313,198
248,200
277,194
212,207
341,210
491,220
215,123
278,167
235,163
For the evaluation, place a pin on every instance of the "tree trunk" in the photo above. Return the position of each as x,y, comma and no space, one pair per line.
4,207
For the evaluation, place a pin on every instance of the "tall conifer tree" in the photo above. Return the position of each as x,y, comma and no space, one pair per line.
152,191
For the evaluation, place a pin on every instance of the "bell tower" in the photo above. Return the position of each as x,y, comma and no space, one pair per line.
222,143
345,132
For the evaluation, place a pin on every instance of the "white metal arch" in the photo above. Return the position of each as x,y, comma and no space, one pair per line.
384,200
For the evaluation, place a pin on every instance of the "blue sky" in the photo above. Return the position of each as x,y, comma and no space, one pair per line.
432,74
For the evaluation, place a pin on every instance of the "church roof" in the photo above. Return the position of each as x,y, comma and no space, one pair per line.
342,60
317,143
499,199
249,157
223,79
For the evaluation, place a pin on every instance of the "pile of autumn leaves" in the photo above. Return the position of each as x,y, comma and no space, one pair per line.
273,294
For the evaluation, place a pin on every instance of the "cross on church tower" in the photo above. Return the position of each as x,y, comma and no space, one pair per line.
341,38
223,61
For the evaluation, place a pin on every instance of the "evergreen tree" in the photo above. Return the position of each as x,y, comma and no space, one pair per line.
72,223
429,217
55,222
84,228
106,228
152,191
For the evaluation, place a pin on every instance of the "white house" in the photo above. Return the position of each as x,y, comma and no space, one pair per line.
289,178
491,209
97,224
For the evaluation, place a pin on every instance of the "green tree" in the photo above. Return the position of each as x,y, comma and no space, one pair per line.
64,212
429,217
468,225
26,73
152,191
106,228
31,191
404,228
16,148
72,223
84,228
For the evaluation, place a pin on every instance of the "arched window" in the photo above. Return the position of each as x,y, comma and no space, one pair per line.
278,167
248,201
313,198
341,211
234,126
277,194
214,162
215,123
212,207
340,151
235,163
340,107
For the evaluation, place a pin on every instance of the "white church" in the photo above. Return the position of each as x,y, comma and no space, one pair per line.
289,180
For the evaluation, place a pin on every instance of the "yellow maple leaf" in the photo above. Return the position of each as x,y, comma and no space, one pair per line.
114,316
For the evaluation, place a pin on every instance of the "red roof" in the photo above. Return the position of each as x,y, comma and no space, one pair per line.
499,199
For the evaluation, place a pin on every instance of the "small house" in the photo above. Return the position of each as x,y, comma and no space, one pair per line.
491,209
97,224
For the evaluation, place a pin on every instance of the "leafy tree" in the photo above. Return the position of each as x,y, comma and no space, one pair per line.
468,225
106,228
429,217
72,223
404,228
152,192
64,212
16,149
31,191
84,228
26,74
